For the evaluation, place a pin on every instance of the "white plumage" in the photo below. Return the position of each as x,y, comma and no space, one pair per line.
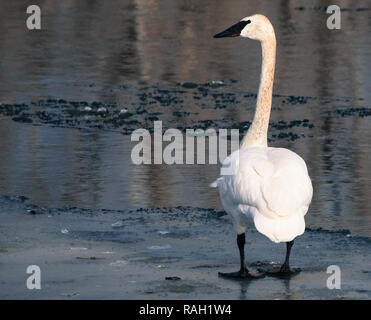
270,187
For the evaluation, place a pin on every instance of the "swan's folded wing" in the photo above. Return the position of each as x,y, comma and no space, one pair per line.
275,181
289,190
244,187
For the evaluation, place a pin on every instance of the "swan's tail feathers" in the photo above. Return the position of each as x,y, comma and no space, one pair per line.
215,183
284,229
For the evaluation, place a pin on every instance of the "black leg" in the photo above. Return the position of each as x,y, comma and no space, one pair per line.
241,240
244,272
284,270
286,265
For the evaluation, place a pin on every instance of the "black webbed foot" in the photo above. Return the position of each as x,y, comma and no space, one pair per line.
242,274
284,272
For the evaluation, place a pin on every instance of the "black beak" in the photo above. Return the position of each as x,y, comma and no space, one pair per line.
233,31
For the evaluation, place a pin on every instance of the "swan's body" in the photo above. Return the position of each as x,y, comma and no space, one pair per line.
269,187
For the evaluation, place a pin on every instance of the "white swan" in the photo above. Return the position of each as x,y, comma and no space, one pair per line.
268,186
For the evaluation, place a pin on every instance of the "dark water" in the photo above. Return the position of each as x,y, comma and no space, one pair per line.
124,52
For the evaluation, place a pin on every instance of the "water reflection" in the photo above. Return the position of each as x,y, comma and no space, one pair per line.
87,50
104,44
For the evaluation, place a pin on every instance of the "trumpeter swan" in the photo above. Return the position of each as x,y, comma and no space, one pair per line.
268,186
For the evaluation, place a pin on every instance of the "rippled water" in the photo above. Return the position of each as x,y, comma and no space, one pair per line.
113,52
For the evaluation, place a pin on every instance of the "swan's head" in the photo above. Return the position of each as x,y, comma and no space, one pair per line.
256,27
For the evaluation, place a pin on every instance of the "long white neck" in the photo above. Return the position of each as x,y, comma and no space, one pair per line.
256,136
